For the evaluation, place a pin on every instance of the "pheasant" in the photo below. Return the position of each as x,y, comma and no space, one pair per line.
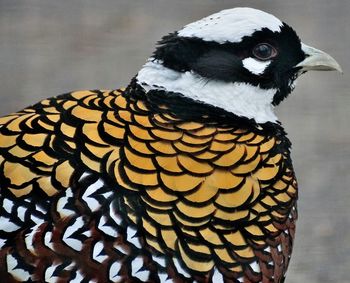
183,176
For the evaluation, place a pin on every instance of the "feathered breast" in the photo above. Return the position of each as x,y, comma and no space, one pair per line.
97,184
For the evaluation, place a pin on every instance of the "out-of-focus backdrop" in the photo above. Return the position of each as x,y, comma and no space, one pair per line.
50,47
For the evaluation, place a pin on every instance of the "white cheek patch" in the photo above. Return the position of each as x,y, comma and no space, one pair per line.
242,99
254,66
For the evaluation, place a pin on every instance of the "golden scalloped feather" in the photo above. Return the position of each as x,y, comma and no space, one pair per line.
190,139
248,167
162,218
267,173
46,126
169,163
92,164
19,152
144,178
225,137
204,193
80,94
190,126
7,141
167,135
218,146
206,155
139,146
86,114
194,166
247,252
125,115
98,151
235,198
90,130
6,119
141,105
231,158
199,248
224,255
46,186
268,145
190,223
155,244
169,237
184,148
144,121
194,211
180,183
158,194
222,179
18,173
157,206
235,238
63,173
211,236
140,133
231,216
115,131
36,140
149,227
247,137
21,192
200,266
138,161
43,157
15,124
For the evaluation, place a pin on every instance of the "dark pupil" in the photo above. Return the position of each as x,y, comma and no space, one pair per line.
263,51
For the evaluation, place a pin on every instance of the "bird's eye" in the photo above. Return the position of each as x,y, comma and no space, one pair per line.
264,51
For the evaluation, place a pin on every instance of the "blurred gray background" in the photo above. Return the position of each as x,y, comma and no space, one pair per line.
50,47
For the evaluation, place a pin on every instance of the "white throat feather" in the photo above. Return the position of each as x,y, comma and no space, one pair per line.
242,99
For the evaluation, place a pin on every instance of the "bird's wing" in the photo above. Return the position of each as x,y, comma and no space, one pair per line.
90,170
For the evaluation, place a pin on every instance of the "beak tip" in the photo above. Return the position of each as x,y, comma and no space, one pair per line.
337,68
340,70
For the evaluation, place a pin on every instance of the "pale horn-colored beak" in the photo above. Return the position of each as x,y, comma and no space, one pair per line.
318,60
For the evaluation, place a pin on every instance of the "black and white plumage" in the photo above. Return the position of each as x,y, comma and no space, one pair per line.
184,176
216,55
